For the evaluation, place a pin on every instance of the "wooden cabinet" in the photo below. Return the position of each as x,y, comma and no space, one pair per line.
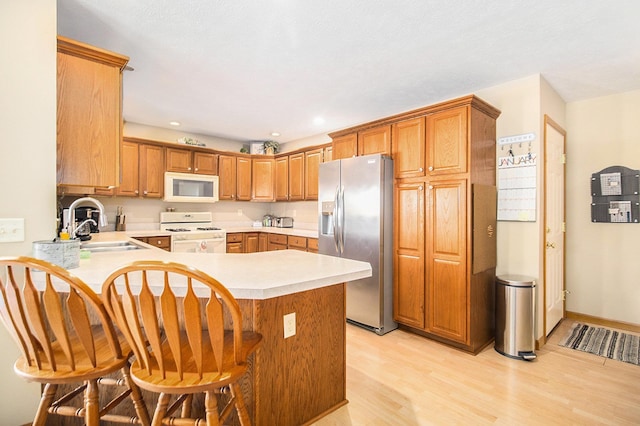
282,178
441,153
345,146
447,141
234,242
179,160
447,260
142,170
205,163
130,185
312,160
263,179
163,241
243,179
296,176
250,242
409,148
151,171
89,115
312,245
263,241
409,254
375,141
227,177
189,161
327,154
297,243
277,242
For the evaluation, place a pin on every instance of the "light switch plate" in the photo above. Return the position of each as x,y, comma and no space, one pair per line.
289,325
11,230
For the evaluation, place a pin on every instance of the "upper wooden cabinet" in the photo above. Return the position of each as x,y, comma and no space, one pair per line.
228,176
243,178
263,179
89,114
282,178
447,141
188,161
142,170
409,148
296,176
345,146
375,141
312,160
205,163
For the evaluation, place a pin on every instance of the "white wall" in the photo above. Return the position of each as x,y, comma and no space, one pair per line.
144,131
523,104
28,158
603,272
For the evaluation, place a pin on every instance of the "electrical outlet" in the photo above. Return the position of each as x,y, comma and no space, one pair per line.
289,325
11,230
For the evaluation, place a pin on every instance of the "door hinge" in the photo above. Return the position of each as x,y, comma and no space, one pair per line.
564,227
563,160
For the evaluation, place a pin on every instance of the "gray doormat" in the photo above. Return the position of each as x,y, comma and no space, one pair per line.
603,342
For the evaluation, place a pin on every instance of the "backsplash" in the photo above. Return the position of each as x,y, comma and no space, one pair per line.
144,214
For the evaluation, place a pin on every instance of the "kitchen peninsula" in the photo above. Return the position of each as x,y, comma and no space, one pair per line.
294,380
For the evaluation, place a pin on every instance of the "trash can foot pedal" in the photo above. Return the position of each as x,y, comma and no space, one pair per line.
527,356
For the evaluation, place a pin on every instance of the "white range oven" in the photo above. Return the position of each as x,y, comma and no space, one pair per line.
193,232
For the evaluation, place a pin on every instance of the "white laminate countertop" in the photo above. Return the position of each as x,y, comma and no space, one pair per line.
261,275
299,232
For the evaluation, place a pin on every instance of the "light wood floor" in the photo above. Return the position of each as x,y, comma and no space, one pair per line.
403,379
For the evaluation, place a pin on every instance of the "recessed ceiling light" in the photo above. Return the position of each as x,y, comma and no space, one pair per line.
275,134
174,123
318,121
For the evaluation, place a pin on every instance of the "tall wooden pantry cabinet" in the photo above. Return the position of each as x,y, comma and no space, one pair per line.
444,219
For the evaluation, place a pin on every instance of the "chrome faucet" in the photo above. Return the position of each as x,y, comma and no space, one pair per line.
72,214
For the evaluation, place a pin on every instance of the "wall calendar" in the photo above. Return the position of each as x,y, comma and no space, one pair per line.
517,187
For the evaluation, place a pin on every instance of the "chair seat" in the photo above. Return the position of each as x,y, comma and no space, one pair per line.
83,368
191,381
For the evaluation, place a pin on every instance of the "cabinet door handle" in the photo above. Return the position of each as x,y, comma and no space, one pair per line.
430,187
144,192
159,242
137,192
420,188
421,169
188,168
430,168
196,169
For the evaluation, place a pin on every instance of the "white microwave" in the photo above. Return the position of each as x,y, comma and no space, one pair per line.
190,188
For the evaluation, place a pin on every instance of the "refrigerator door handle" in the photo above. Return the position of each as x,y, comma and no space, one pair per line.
335,219
341,218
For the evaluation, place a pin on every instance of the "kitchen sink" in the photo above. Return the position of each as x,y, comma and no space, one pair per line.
107,246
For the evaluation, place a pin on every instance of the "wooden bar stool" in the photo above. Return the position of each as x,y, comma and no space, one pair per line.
53,329
181,346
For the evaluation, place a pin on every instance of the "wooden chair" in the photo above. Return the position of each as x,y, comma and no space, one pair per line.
181,354
60,346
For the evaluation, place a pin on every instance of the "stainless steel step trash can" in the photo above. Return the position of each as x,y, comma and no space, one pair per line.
515,316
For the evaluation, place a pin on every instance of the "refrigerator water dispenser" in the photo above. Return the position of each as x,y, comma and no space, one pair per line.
326,225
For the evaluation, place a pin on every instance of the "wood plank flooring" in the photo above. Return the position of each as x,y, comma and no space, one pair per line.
403,379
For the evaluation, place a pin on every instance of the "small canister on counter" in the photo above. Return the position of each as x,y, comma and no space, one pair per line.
64,253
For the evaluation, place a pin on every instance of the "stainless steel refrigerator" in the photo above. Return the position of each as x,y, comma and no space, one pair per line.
355,209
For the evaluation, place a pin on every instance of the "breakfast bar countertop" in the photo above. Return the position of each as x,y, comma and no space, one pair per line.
260,275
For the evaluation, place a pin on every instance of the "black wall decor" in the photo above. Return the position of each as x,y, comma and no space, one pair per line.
614,195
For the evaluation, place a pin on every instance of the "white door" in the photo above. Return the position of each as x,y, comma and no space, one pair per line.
554,218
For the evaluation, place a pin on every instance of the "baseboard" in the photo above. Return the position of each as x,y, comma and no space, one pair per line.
621,325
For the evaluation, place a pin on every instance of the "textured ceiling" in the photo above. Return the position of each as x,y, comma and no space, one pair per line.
243,69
